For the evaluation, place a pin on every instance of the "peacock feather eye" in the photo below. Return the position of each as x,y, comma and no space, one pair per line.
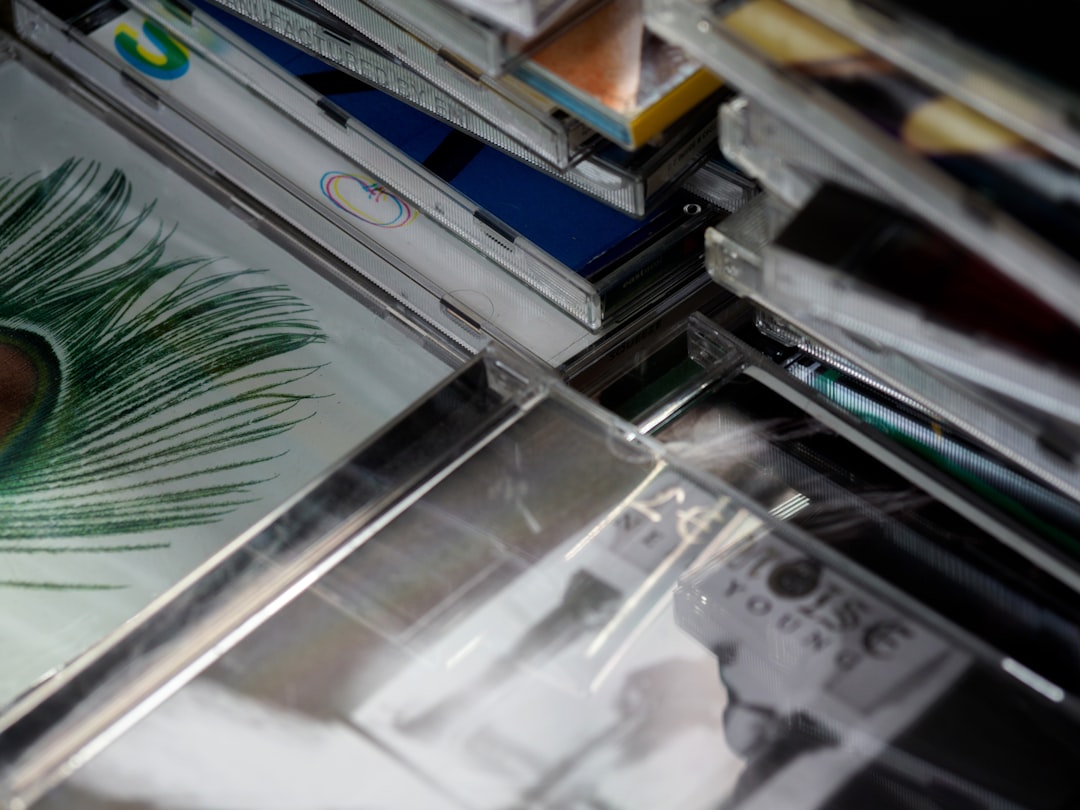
29,386
138,392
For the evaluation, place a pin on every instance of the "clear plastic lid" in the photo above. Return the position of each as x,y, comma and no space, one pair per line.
574,619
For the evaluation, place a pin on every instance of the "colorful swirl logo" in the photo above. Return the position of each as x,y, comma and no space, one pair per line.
367,200
167,59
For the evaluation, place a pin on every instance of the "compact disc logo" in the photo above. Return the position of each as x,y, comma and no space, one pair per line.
367,200
166,59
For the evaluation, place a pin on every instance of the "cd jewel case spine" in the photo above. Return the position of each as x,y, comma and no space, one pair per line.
482,45
513,108
477,42
524,17
788,165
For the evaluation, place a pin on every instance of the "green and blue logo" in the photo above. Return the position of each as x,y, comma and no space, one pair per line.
164,57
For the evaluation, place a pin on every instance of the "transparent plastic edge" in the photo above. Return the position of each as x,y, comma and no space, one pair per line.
1005,432
1037,110
79,711
513,113
809,291
1040,267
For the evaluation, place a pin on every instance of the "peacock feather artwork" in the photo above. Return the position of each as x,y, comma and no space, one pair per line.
137,392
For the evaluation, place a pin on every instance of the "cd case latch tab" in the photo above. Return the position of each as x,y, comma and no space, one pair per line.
333,111
712,347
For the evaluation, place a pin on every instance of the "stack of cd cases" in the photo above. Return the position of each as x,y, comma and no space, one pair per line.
1006,194
501,111
603,68
617,266
919,226
387,403
988,387
595,263
423,267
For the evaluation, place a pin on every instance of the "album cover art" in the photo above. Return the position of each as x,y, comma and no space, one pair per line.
617,76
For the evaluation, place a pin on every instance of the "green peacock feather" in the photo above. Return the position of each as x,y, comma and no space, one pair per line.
135,390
